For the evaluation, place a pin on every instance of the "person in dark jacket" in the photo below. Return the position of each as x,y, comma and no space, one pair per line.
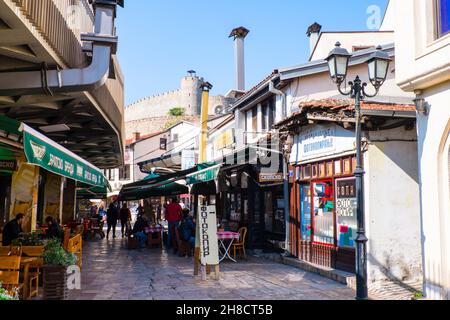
125,216
139,230
112,215
12,230
54,230
187,228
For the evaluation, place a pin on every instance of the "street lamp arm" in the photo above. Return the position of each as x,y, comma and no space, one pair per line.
365,94
341,91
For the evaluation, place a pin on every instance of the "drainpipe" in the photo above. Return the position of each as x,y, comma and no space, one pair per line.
104,44
275,91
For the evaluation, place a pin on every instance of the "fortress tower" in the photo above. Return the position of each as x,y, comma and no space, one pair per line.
191,94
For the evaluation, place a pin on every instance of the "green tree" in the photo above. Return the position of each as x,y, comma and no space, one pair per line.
177,112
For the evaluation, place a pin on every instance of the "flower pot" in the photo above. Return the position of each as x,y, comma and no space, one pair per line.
55,282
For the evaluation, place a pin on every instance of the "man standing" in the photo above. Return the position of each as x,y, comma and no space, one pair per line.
112,215
173,216
125,216
12,230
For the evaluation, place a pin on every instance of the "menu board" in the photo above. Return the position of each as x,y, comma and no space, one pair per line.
346,211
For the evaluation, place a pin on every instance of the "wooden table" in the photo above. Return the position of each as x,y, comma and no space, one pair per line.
25,263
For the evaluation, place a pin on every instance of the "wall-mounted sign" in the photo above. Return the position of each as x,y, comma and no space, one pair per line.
224,140
346,211
8,165
321,141
188,159
264,177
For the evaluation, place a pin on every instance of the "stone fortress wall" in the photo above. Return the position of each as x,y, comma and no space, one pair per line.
151,114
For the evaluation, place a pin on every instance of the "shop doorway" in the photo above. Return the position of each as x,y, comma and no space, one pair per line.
5,198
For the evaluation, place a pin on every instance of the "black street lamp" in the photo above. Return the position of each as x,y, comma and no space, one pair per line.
378,66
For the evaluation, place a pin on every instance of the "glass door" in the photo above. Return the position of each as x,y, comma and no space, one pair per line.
305,212
323,209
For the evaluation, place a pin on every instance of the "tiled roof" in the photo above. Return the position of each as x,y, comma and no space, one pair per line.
337,105
147,136
349,104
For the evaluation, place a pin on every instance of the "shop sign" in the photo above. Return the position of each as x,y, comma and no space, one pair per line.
188,159
264,177
202,176
47,154
346,211
8,165
207,232
319,141
224,140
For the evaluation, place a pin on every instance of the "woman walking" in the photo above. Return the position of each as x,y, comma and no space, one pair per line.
125,216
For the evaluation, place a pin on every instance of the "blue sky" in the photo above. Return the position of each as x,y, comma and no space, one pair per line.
161,39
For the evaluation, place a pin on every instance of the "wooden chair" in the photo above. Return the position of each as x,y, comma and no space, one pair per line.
35,272
76,246
67,232
239,247
10,273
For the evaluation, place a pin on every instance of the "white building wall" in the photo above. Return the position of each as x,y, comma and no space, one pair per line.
423,67
393,207
433,132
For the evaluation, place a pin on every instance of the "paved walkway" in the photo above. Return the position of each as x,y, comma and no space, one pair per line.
111,272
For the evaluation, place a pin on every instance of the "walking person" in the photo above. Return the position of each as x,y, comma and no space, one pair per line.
112,215
173,216
125,216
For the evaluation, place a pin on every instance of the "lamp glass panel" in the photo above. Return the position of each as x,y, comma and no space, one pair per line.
332,66
341,62
372,70
382,68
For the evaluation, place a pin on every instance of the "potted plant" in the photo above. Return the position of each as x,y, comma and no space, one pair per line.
5,295
56,261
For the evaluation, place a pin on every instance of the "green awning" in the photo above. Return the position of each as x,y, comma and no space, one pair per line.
171,184
205,175
92,193
42,151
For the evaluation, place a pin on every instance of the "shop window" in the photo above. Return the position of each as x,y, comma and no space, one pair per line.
307,173
315,173
337,168
347,166
305,212
346,212
268,217
124,173
443,14
323,202
329,169
322,170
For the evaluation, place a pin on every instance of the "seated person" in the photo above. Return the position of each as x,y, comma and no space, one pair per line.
54,230
139,230
12,230
187,228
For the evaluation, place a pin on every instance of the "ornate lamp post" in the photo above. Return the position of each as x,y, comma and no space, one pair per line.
378,66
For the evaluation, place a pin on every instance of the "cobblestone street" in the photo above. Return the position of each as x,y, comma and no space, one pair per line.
111,272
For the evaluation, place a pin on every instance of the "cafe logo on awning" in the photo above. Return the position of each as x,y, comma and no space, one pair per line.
38,150
10,165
